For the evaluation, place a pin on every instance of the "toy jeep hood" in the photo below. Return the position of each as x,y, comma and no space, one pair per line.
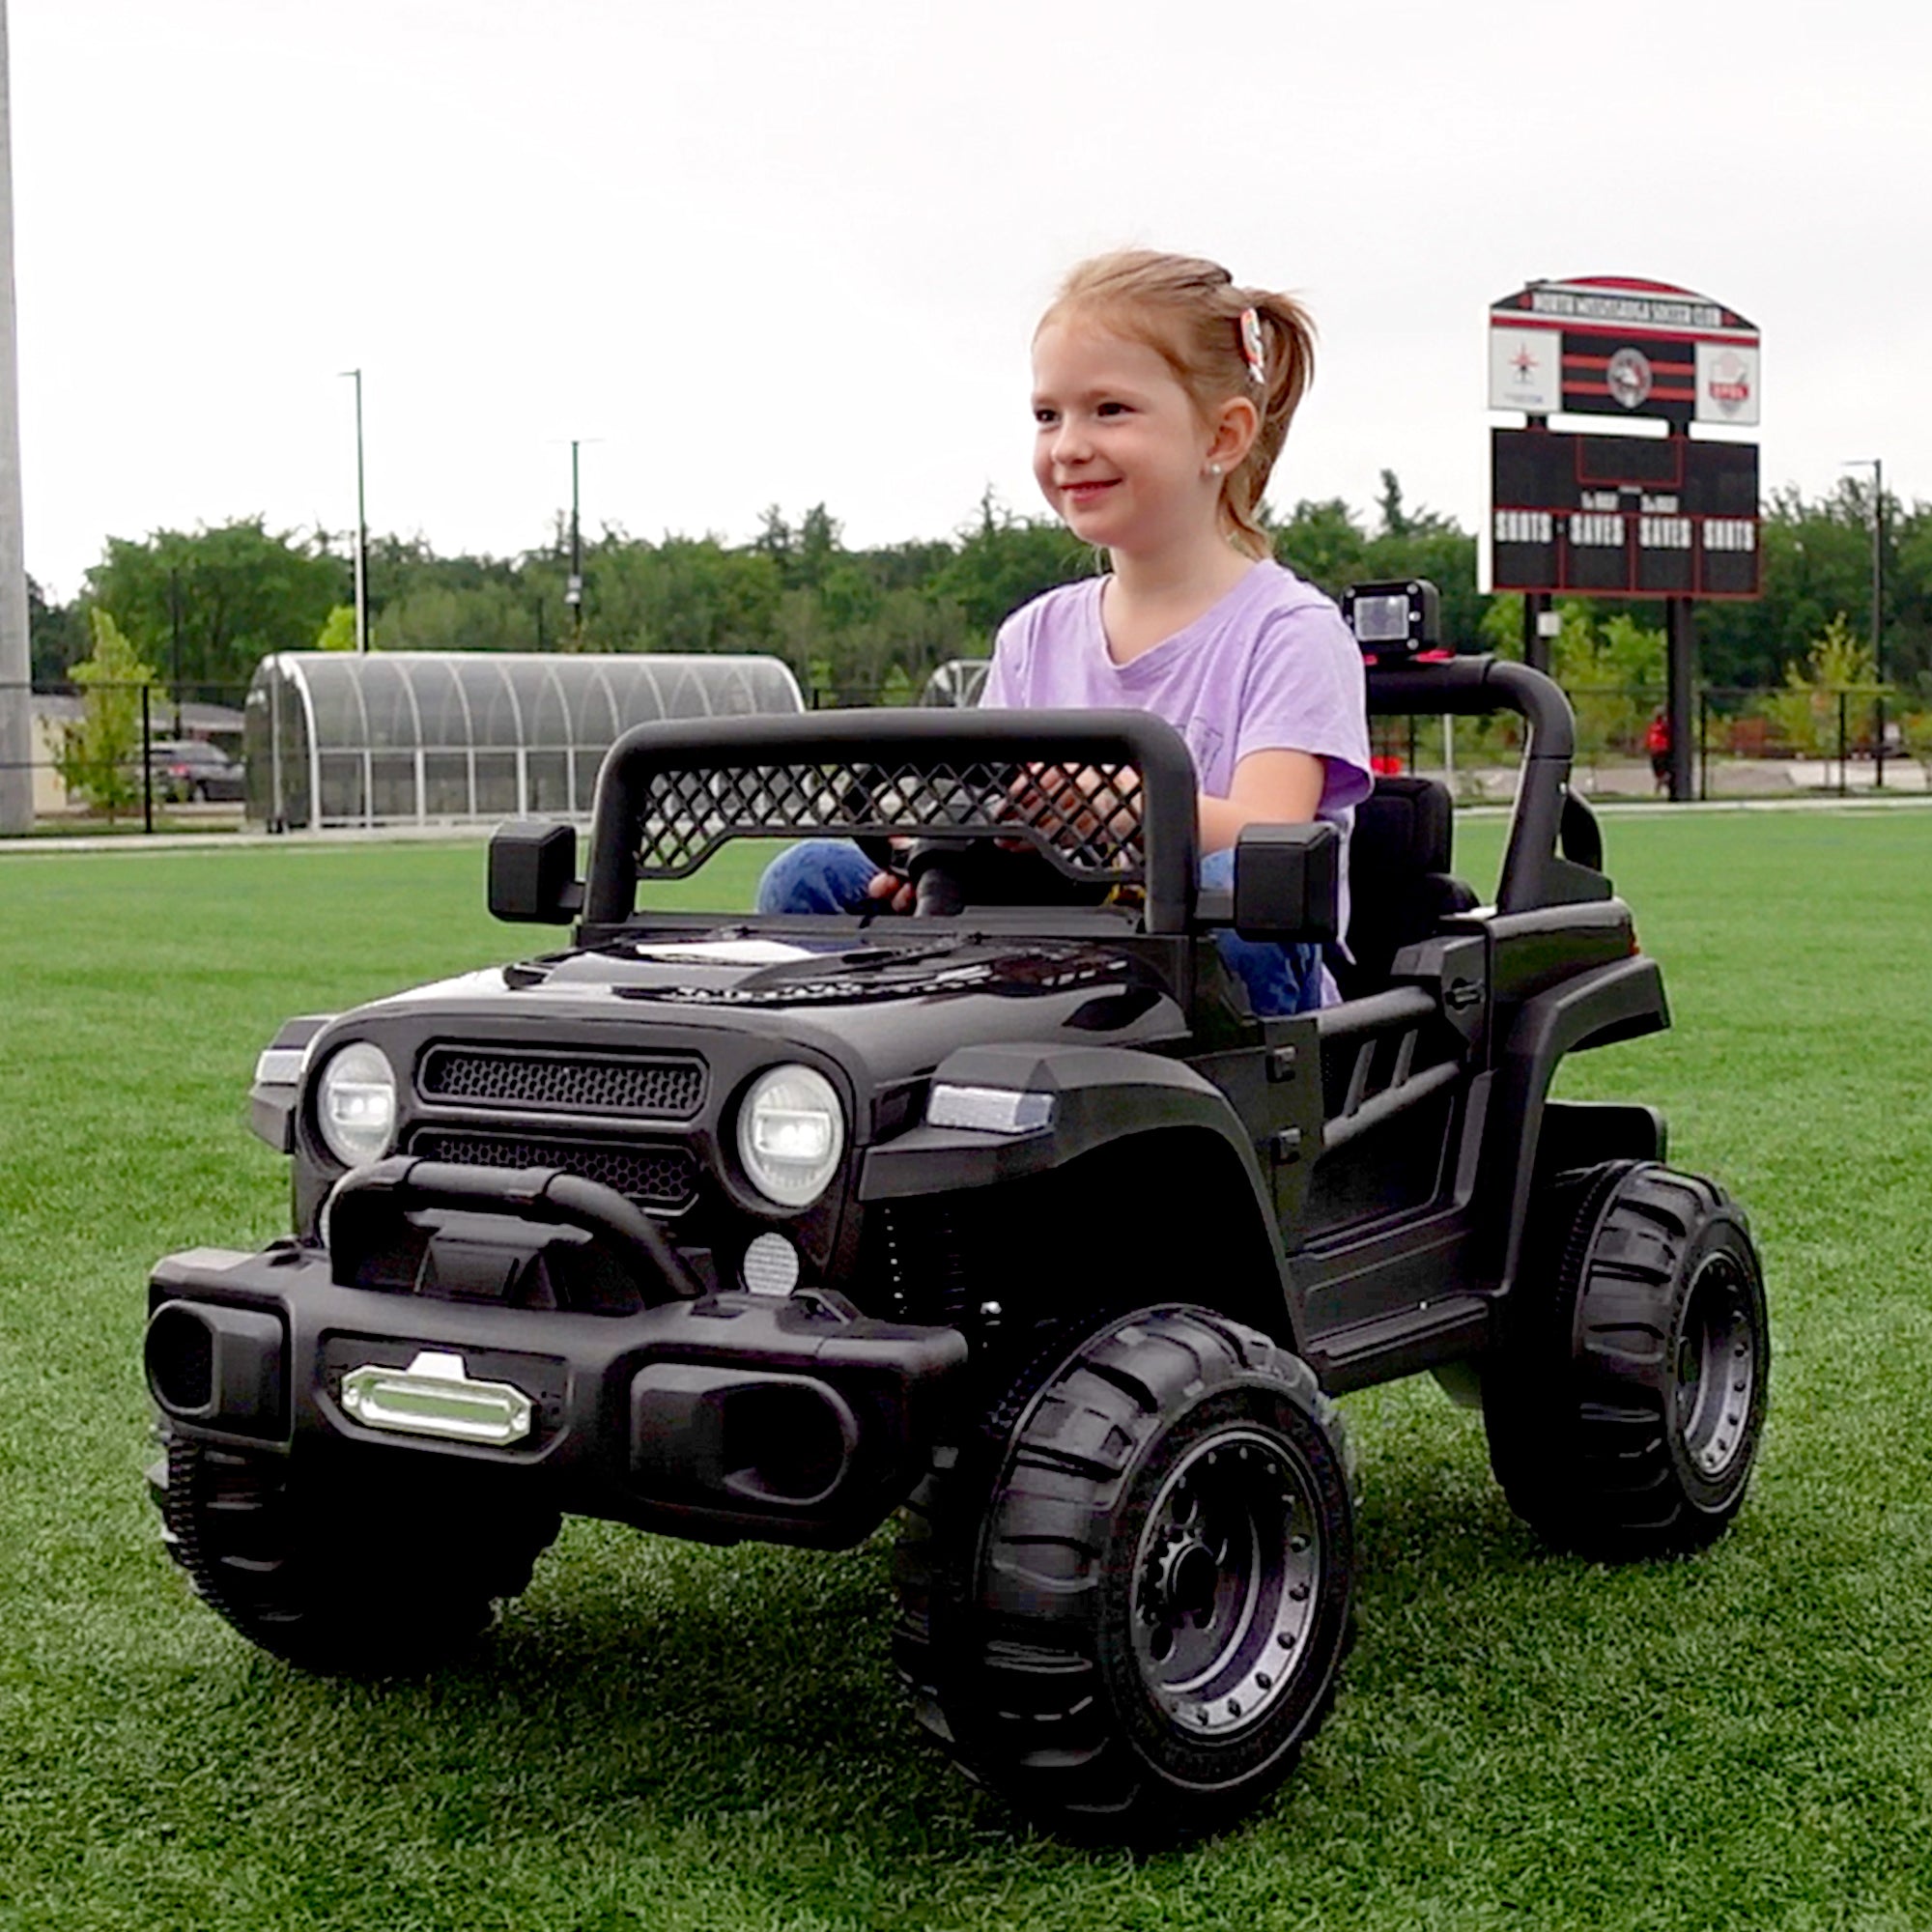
887,1011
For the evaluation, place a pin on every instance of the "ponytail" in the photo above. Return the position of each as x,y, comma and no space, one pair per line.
1288,367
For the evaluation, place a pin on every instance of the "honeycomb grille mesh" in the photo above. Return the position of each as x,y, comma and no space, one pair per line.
1085,819
664,1177
653,1090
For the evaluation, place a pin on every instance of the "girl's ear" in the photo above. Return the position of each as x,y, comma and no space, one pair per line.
1235,425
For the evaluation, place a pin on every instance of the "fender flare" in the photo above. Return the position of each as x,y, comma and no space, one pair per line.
1103,1097
1620,1001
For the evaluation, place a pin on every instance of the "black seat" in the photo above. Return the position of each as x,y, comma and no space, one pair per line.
1399,886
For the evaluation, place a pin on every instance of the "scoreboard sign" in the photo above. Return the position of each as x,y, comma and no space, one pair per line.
1623,516
1611,344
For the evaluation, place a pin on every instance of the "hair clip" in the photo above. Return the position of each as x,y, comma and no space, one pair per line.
1251,345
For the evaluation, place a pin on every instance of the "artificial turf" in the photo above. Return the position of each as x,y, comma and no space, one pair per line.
664,1736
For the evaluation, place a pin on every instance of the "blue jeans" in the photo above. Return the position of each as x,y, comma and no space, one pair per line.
831,876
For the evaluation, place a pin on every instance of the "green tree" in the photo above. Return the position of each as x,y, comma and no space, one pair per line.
683,594
905,566
1807,711
1395,523
1439,549
1005,560
1814,564
435,615
1614,676
338,629
1324,542
100,757
887,657
230,595
57,634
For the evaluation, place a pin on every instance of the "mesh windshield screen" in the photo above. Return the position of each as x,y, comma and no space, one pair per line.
1084,818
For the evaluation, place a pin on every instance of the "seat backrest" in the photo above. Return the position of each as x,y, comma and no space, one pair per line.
1399,885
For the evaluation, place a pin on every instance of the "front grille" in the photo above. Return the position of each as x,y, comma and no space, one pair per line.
650,1089
664,1177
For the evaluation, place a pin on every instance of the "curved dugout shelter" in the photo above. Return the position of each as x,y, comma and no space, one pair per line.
421,737
957,683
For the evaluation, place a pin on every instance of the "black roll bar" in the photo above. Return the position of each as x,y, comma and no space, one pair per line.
1534,873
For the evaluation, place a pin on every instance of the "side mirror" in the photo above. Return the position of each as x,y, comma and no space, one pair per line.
1287,883
534,873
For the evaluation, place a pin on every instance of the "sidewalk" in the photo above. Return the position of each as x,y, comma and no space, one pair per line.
452,833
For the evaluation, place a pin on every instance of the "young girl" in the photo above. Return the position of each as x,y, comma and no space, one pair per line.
1162,394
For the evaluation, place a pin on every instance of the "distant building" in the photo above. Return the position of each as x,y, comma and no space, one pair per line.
54,711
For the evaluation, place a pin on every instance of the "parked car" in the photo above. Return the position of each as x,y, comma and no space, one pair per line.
189,769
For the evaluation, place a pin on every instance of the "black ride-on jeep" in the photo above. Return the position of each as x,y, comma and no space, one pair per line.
1010,1216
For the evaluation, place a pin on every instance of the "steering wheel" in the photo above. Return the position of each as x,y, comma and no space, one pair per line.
949,874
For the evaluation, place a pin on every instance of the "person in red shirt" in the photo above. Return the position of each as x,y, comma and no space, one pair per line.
1657,741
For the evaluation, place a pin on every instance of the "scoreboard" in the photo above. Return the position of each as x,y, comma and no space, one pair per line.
1611,344
1623,516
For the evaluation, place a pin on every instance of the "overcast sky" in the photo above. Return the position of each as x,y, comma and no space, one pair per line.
757,252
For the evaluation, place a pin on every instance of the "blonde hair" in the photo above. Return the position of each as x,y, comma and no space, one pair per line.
1190,313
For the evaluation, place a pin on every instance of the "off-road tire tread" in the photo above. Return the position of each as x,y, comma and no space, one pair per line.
361,1578
991,1635
1577,1420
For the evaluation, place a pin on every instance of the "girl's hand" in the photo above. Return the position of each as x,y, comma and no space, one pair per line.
1092,803
891,886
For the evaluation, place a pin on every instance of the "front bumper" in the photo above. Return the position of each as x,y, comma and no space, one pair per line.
721,1417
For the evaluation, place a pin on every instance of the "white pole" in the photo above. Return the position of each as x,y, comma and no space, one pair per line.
361,528
16,775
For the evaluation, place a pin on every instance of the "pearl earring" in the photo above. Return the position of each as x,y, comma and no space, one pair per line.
1214,469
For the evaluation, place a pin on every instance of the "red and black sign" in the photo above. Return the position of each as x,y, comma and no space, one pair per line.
1623,516
1613,345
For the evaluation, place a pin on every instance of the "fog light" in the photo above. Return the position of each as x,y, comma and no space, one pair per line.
771,1265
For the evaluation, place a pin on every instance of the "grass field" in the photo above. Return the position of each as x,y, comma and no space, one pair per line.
660,1736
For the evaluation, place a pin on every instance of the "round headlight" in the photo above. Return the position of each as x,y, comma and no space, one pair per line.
792,1132
356,1104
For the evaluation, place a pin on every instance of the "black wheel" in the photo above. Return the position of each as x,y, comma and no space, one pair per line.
1625,1411
388,1570
1127,1610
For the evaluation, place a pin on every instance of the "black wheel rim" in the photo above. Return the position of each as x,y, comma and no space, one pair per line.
1716,1374
1227,1583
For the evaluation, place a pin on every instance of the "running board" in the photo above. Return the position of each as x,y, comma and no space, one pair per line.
1404,1344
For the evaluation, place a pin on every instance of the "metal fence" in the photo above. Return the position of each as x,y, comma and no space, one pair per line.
104,753
1749,744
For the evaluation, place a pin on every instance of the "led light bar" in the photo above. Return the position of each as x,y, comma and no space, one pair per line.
992,1109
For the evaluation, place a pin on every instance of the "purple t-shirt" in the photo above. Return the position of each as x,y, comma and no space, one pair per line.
1271,667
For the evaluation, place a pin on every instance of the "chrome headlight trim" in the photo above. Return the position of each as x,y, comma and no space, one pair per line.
791,1134
355,1103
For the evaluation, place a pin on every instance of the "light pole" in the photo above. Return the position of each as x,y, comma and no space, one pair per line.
573,590
175,635
361,526
1876,466
17,730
